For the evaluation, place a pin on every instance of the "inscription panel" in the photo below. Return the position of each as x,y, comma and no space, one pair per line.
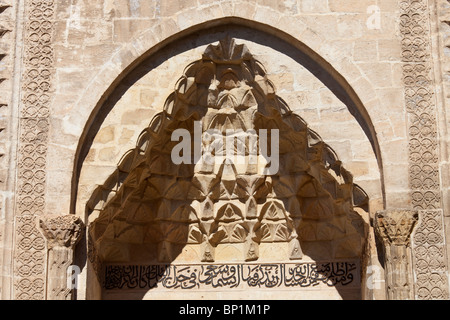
231,276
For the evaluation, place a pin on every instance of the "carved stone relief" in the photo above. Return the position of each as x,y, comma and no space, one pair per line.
423,139
436,254
150,207
29,269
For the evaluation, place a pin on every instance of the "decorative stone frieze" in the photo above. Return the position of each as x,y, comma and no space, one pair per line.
430,256
424,176
70,71
62,234
38,59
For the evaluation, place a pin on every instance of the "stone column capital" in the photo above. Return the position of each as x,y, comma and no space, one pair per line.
395,226
61,231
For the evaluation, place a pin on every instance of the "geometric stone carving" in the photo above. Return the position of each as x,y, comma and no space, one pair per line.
428,245
419,96
29,262
394,228
36,80
424,175
233,276
151,207
62,234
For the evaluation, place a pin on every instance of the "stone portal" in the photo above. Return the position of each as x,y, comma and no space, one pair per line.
273,210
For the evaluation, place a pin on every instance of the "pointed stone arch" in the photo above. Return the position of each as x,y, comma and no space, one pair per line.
150,208
140,51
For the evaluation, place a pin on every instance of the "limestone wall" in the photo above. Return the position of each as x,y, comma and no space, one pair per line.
8,33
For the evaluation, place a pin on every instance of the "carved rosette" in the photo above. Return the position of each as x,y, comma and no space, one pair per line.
417,77
38,57
429,256
423,140
62,234
394,228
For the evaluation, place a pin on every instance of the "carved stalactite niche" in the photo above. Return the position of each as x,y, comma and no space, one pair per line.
282,194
